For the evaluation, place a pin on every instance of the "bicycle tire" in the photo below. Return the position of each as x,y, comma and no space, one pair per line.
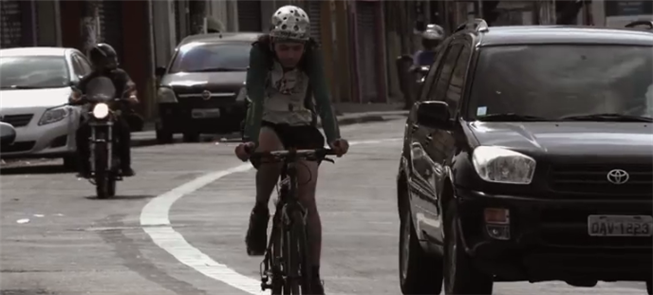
298,254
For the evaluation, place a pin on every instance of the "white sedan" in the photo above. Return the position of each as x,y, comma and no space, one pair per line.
34,88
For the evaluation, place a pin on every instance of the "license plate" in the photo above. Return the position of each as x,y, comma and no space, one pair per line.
619,225
205,113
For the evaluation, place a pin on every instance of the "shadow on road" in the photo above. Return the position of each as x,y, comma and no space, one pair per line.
35,169
122,197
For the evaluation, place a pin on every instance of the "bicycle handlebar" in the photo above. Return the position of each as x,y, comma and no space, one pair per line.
320,153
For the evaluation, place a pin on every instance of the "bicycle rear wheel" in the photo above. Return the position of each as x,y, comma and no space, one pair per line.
299,272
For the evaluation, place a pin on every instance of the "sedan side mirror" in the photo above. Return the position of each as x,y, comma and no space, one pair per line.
433,114
160,71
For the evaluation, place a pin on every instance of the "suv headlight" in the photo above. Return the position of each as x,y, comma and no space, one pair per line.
495,164
166,95
54,115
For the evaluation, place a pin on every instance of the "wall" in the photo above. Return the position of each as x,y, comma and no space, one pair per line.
71,15
619,14
49,26
136,57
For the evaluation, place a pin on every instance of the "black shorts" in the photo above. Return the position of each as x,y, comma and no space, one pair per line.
298,137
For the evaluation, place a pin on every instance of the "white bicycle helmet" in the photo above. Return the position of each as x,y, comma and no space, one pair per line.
290,23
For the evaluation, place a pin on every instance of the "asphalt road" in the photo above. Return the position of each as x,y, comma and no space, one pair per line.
56,238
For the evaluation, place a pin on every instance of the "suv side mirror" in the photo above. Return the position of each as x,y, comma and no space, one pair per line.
160,71
433,114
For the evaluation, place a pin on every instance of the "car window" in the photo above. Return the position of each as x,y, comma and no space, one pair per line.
33,72
77,67
438,91
209,57
435,68
554,81
85,65
455,89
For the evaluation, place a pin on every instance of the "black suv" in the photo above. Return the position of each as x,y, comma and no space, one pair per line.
529,157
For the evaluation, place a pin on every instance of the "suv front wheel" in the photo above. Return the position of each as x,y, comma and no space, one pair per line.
419,273
460,275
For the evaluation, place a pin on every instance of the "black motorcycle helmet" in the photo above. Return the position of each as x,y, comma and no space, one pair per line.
103,56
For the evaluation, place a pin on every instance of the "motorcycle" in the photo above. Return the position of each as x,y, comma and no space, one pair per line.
104,111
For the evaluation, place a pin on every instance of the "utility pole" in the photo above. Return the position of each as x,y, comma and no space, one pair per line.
90,24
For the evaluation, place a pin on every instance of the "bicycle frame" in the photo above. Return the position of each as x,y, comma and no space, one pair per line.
278,268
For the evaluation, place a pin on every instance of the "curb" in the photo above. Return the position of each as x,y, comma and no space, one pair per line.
342,121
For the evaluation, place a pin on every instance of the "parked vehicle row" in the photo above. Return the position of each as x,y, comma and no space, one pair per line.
201,91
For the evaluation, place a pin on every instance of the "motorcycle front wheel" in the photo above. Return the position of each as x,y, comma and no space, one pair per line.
102,177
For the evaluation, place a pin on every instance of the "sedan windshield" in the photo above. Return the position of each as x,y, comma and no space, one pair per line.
33,72
563,82
207,57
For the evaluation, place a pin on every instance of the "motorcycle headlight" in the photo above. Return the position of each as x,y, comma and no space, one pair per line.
100,110
495,164
54,115
166,95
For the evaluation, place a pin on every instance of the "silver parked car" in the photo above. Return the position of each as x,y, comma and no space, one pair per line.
35,85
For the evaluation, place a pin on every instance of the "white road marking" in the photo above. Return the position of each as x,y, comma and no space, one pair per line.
24,220
156,223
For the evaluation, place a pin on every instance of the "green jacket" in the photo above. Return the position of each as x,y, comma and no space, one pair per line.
260,63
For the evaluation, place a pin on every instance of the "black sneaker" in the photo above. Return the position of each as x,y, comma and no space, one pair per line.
128,172
257,237
317,287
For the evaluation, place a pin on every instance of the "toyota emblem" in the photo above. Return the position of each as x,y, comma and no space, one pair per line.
618,176
206,95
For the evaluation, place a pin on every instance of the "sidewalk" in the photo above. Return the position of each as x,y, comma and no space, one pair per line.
347,114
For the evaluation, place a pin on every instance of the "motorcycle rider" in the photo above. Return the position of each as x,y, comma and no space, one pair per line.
431,39
105,63
285,73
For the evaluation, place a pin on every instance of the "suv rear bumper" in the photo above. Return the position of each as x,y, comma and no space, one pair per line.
549,239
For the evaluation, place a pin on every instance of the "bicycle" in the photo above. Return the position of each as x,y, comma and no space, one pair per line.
285,265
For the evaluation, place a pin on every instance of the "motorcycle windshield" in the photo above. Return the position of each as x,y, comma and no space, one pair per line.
100,89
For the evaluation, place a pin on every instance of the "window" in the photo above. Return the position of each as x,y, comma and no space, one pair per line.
438,91
435,68
33,72
86,67
456,85
554,81
77,67
210,57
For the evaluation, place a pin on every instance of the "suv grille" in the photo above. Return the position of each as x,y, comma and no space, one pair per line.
18,120
593,179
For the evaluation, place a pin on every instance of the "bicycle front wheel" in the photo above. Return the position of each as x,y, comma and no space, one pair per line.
299,271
